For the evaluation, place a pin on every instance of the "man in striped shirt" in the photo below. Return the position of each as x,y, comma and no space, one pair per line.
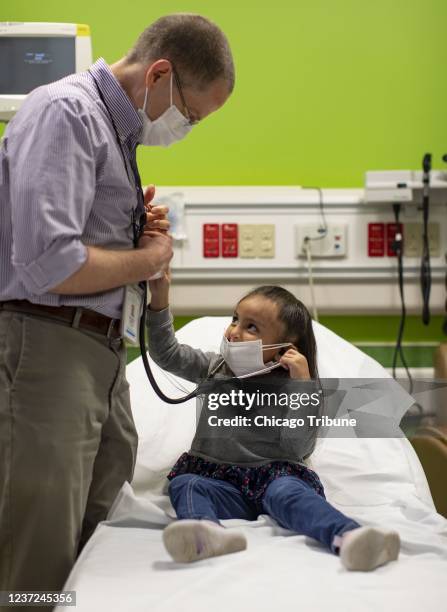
70,200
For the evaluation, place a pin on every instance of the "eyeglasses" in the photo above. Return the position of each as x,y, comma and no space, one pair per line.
182,98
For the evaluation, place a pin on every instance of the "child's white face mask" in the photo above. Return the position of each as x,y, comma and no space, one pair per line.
246,358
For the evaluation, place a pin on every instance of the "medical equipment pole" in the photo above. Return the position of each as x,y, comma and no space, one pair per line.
425,261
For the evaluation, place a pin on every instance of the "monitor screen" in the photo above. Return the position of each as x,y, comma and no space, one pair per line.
29,61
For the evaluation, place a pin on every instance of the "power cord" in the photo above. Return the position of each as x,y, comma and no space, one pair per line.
398,249
322,233
323,230
310,277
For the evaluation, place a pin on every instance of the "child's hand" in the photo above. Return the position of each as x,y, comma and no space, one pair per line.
159,289
296,363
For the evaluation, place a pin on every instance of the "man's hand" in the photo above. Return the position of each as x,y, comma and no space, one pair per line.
158,247
106,269
296,363
156,219
155,215
149,194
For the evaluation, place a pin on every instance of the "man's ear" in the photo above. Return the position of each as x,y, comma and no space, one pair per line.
157,70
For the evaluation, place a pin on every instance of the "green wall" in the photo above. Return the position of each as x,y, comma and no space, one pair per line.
325,89
374,335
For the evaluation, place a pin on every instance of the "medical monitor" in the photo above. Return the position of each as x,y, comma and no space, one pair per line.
34,54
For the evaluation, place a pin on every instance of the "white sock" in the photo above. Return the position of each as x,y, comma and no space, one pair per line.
190,540
365,548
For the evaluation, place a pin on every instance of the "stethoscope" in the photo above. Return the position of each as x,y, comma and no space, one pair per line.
138,225
138,221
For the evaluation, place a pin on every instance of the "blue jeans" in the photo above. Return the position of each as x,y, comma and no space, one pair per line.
293,504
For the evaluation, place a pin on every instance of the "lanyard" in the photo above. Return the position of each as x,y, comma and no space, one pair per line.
137,225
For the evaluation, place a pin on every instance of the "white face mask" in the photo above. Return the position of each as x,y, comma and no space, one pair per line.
246,358
170,127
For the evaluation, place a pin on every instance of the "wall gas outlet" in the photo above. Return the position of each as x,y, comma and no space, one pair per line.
413,239
376,239
229,240
330,243
211,233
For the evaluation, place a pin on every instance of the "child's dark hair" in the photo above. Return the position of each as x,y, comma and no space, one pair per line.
297,321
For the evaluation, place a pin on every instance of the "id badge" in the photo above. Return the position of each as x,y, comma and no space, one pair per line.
132,311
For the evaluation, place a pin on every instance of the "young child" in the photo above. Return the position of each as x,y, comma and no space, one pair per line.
237,476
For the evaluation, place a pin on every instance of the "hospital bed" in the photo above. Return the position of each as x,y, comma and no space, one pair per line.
124,566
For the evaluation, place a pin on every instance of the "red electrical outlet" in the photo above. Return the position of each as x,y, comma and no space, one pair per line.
391,230
229,240
211,240
376,239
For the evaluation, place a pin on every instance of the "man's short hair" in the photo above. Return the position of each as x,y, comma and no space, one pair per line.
197,48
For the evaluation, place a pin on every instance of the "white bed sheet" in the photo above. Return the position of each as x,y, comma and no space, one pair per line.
125,567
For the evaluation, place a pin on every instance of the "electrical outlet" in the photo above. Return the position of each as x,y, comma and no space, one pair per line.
329,242
413,239
265,241
434,242
247,241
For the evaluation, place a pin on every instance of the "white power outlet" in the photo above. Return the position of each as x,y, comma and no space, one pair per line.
265,241
256,241
247,241
331,242
413,239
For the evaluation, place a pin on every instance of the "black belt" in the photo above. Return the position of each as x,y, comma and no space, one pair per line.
75,316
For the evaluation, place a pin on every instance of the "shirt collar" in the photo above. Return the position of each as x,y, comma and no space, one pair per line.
124,114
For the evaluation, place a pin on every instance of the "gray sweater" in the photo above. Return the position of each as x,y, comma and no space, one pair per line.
248,446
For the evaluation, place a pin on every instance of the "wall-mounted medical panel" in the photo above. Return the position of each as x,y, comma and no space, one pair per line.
257,235
256,230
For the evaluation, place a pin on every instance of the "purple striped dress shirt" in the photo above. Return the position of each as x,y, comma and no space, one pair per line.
64,186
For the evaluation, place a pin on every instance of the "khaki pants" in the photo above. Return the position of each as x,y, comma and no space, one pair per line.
67,444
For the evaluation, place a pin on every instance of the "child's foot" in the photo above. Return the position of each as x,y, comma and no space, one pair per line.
189,540
365,548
